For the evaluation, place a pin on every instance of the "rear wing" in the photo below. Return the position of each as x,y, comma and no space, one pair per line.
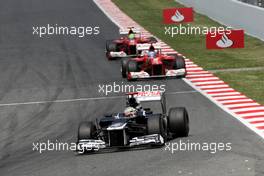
151,96
146,96
123,31
146,46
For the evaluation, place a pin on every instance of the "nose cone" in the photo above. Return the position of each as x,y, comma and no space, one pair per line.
156,61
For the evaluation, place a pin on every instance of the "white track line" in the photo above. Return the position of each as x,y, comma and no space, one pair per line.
238,105
259,124
218,89
260,119
228,97
234,101
253,119
248,109
80,99
199,75
213,87
224,94
209,82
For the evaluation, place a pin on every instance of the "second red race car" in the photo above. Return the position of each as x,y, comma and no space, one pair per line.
126,45
152,63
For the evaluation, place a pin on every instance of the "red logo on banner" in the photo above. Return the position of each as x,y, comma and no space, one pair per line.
227,39
177,15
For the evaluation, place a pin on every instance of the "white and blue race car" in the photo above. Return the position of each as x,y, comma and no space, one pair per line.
140,126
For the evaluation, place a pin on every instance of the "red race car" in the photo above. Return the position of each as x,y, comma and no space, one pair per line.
126,46
151,63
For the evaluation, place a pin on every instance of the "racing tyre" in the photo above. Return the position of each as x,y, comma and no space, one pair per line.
153,40
132,66
178,122
179,63
86,130
124,67
110,46
155,125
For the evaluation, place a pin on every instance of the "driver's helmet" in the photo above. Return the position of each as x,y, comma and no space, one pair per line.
130,112
133,102
131,36
151,52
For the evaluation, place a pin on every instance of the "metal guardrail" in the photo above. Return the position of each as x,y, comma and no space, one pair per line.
259,3
234,13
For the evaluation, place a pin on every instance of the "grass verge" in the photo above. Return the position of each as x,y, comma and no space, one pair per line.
249,82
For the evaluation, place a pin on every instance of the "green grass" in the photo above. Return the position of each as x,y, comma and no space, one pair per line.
249,82
148,13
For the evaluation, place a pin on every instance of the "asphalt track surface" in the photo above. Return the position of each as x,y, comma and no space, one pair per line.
67,67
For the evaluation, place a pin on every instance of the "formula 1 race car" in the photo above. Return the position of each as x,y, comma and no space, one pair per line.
126,45
152,63
137,126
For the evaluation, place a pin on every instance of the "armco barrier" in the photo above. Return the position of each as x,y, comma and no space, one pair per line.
232,13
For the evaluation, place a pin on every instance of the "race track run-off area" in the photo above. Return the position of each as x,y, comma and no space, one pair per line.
246,110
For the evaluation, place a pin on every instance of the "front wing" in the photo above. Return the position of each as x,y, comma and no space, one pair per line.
97,145
169,73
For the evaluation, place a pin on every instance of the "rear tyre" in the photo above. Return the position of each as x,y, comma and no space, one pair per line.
179,63
86,130
124,67
178,122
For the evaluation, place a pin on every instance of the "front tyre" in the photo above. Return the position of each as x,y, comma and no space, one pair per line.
132,66
110,47
86,130
155,125
124,67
